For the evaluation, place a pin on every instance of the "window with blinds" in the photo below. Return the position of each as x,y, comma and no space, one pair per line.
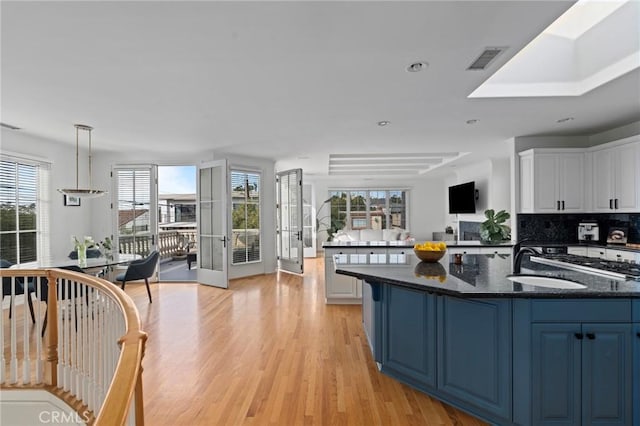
134,208
23,209
245,217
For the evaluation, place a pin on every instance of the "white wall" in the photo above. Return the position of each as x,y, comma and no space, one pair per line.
425,200
492,178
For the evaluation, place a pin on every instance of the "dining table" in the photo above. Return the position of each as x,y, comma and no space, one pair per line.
99,266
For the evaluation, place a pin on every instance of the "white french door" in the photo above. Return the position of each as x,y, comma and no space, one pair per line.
289,232
211,215
135,205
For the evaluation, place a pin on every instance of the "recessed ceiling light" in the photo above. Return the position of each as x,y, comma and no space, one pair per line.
564,120
472,121
417,67
383,123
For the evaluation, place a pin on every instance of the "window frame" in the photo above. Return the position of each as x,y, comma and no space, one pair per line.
42,207
388,221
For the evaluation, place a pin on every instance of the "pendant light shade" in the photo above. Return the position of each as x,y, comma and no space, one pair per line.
77,191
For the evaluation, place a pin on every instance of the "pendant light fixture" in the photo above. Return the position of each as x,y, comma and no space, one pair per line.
77,191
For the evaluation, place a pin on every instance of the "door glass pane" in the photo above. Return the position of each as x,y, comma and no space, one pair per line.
245,217
206,226
134,211
205,184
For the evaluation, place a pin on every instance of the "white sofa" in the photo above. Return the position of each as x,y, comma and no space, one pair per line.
372,235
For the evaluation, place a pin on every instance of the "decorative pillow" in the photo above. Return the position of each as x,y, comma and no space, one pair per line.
354,234
341,236
405,235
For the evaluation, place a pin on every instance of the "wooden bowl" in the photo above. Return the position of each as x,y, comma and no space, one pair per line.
429,255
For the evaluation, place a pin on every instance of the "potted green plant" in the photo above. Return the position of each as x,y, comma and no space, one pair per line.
493,229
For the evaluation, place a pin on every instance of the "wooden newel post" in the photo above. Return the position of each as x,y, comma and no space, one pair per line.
52,329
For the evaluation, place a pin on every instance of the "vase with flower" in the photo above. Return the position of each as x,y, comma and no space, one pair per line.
81,249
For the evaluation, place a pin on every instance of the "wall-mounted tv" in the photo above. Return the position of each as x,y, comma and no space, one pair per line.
462,198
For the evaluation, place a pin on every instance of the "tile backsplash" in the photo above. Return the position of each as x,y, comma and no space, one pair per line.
563,228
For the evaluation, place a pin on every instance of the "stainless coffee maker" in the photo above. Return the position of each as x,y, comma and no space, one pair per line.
588,231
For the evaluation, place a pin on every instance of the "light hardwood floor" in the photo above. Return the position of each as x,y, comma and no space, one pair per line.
268,351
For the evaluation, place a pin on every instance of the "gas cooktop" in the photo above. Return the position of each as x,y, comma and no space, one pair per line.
623,270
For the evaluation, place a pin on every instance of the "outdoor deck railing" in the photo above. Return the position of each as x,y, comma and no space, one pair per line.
94,344
169,243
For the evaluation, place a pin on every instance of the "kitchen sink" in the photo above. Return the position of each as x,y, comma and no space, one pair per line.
551,282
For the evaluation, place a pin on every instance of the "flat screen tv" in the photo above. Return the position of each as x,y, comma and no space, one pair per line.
462,198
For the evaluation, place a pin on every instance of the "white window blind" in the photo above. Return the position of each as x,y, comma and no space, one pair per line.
134,208
24,209
245,217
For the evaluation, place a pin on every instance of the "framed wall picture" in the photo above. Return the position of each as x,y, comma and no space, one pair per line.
71,200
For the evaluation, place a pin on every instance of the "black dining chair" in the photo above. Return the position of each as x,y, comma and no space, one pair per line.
19,289
141,269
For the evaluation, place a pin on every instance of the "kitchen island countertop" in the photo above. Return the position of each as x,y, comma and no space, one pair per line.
483,276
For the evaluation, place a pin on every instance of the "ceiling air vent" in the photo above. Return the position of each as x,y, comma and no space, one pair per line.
486,57
9,126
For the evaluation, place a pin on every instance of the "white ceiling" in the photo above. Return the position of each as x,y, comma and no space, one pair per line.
291,81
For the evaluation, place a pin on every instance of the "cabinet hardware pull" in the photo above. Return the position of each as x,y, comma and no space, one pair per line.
558,205
638,334
562,204
591,336
611,203
579,336
615,203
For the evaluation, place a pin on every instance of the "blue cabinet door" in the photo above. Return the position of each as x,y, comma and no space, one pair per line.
409,336
474,352
556,374
606,374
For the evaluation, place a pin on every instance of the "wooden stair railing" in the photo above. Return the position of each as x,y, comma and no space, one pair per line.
95,344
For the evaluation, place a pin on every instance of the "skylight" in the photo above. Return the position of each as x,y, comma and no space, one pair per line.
581,17
591,44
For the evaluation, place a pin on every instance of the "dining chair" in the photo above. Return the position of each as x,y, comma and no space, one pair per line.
141,269
19,289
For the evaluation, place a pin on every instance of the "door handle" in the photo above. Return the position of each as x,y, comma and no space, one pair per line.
153,239
224,241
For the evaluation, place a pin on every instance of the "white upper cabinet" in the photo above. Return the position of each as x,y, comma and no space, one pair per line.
616,178
552,181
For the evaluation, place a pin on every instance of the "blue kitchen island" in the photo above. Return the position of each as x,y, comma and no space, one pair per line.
506,352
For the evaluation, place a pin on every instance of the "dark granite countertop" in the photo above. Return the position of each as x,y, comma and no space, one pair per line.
481,276
409,244
592,244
